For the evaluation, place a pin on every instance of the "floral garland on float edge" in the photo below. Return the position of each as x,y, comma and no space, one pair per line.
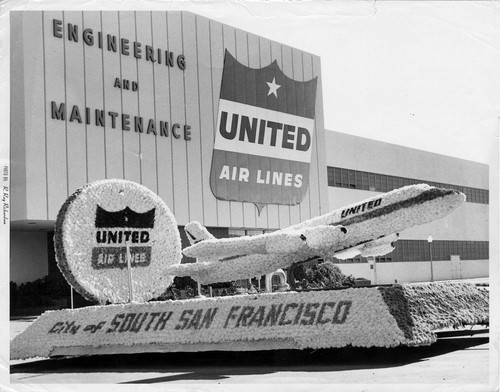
362,317
92,230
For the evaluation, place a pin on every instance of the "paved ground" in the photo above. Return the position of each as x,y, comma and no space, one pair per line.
459,362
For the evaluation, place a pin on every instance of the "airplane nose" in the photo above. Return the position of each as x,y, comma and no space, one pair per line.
448,191
455,192
455,197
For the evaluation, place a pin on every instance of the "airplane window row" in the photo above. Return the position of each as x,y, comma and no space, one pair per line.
375,182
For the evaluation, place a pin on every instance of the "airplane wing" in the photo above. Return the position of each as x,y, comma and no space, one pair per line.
378,247
207,272
318,239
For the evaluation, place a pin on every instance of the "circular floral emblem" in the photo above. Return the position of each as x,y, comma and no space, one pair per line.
107,225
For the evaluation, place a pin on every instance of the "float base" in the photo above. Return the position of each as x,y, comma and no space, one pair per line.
358,317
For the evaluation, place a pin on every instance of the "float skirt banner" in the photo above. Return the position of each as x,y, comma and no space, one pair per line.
362,317
264,139
312,319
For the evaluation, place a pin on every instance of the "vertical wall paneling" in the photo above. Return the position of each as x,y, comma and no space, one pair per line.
162,111
272,210
319,166
303,71
177,99
35,114
284,210
113,137
230,44
130,99
146,107
192,107
314,186
18,113
312,197
247,89
289,69
206,125
217,64
221,187
75,102
94,98
55,75
261,220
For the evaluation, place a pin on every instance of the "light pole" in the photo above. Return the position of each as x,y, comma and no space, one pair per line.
429,240
372,262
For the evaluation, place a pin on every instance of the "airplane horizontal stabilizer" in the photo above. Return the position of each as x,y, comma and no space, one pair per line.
217,249
197,233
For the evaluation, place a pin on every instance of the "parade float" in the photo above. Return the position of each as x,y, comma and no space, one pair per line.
117,244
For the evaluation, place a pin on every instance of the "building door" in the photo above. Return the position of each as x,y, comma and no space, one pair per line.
456,270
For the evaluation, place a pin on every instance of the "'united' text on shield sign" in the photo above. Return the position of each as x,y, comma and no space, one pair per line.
264,135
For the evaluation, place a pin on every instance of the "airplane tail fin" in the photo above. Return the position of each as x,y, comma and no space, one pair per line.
196,232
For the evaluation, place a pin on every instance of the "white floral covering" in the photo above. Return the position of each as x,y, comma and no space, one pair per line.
360,317
206,272
244,257
75,239
416,211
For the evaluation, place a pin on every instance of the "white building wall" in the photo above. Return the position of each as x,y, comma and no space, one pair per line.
417,271
356,153
52,158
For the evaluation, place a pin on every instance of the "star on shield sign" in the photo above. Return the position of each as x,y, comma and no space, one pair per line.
273,88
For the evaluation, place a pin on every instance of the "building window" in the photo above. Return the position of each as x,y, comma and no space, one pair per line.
355,179
242,232
254,232
235,233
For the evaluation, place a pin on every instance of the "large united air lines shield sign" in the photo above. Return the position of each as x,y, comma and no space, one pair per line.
264,138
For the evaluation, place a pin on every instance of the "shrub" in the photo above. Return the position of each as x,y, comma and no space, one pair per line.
190,288
321,276
46,286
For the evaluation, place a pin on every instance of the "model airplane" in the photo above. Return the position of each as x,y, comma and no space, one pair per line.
367,228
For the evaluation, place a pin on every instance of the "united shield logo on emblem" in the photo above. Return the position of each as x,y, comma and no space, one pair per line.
264,135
